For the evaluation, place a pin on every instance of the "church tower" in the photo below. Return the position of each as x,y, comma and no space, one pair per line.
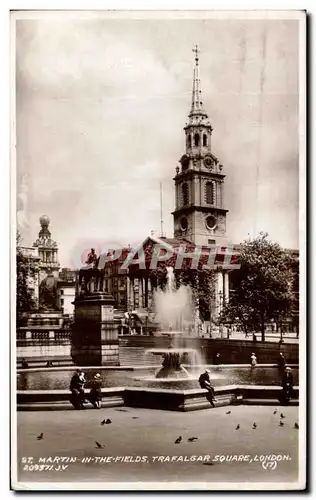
199,215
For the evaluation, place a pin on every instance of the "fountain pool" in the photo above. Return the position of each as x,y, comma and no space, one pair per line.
47,379
180,366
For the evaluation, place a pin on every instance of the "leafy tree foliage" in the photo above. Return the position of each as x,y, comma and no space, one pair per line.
25,271
262,287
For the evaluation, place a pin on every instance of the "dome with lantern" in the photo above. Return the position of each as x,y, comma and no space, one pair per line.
44,220
44,235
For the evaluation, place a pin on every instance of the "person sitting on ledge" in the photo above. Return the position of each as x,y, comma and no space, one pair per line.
49,364
77,389
95,395
205,383
287,385
281,362
25,364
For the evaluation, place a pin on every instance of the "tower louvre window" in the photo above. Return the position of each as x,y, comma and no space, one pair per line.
196,139
204,140
189,141
210,193
185,194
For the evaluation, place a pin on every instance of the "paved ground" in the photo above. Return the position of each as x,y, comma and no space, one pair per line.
152,434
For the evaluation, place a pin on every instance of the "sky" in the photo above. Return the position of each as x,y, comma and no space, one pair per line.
100,108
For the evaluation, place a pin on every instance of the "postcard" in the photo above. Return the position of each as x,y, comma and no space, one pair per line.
158,329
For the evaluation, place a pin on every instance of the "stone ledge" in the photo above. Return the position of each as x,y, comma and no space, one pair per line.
53,396
164,399
268,402
112,402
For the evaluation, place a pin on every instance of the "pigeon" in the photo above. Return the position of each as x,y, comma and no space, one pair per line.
99,445
275,411
178,440
40,436
228,412
296,425
134,417
281,424
108,421
238,427
192,439
254,425
103,422
282,416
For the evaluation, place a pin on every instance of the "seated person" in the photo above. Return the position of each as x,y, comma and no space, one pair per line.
77,388
95,395
281,362
287,384
205,383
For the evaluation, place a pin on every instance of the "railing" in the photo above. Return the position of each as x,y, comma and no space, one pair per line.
52,336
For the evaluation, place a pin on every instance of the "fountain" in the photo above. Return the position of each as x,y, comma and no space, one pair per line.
174,306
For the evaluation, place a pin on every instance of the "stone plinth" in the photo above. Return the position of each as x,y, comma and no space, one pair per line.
95,332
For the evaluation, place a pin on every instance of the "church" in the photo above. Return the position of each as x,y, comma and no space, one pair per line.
199,225
199,216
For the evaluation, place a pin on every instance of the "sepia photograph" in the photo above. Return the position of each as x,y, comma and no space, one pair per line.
158,233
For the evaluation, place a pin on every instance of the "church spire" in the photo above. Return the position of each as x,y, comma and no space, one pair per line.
197,104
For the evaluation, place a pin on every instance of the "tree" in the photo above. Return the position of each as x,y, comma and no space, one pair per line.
262,287
25,271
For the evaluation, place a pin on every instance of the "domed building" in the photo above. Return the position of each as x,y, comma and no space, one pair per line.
54,289
47,250
48,266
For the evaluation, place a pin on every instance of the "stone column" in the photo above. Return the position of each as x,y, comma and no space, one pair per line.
146,293
219,292
128,293
141,292
131,294
226,287
150,296
136,293
94,339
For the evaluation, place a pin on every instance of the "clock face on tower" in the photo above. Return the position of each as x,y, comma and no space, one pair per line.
208,162
210,222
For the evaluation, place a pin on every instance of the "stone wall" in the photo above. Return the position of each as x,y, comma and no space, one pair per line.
231,351
37,349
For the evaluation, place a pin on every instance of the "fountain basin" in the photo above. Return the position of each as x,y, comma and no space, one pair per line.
59,378
174,400
173,357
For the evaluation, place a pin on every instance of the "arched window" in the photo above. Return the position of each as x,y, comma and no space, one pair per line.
196,139
185,194
210,193
189,141
204,140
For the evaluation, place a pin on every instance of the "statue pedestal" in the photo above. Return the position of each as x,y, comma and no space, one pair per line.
95,332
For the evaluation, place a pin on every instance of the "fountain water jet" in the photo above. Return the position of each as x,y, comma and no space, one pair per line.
174,306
